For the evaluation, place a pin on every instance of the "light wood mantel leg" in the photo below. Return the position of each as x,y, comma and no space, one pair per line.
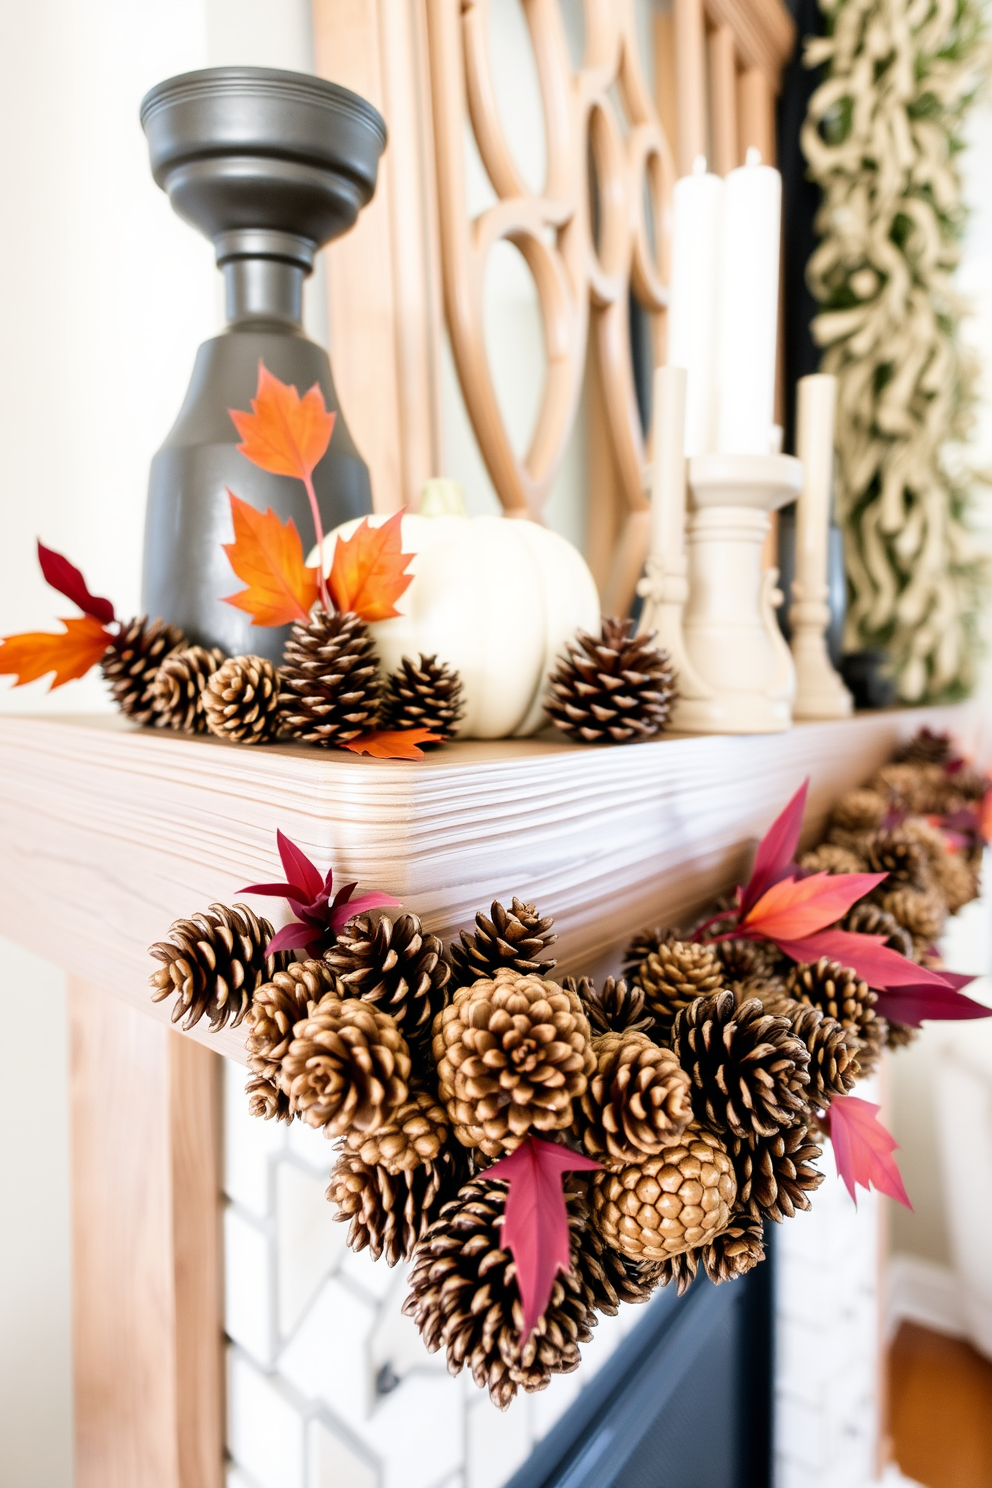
147,1339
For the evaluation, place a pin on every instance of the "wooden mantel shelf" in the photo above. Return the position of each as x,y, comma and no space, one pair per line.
108,833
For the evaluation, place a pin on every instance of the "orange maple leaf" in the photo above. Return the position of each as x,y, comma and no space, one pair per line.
394,743
369,574
69,654
795,907
284,433
268,555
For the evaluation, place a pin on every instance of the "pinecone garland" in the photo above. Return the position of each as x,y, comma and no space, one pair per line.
214,962
426,694
514,938
178,685
277,1006
348,1067
654,1208
389,1213
833,1054
637,1101
330,680
130,662
512,1053
673,977
241,698
615,1008
774,1176
463,1297
395,965
748,1069
841,994
418,1133
612,687
736,1250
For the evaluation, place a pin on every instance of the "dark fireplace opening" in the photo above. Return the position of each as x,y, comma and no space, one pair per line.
685,1402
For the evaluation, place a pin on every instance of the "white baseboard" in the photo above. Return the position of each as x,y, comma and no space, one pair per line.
923,1292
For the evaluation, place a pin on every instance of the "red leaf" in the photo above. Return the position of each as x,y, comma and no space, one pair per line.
776,849
796,907
268,555
69,655
319,917
394,743
284,433
299,870
863,1148
368,573
868,955
912,1004
66,578
535,1225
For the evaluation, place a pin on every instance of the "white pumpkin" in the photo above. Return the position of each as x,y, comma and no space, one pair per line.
496,599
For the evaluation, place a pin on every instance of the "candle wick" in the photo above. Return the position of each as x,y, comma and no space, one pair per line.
753,156
699,165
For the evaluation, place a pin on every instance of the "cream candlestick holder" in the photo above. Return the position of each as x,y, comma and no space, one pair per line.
729,627
820,693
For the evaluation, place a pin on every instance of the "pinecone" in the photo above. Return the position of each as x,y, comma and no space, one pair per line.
514,938
612,687
512,1053
130,662
330,680
831,858
681,1269
925,747
841,994
919,789
390,1212
348,1067
661,1205
613,1277
277,1007
673,977
395,965
770,992
957,881
866,918
418,1133
904,861
637,1101
861,810
463,1298
214,961
616,1008
774,1176
833,1054
746,960
920,911
748,1069
736,1250
241,698
641,947
899,1035
428,694
177,688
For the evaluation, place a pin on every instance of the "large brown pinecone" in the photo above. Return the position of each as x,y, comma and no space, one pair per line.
130,662
177,688
774,1176
419,1132
896,855
214,962
397,966
612,687
512,1053
736,1250
612,1008
637,1101
867,918
920,911
829,857
749,960
463,1297
748,1069
424,694
516,938
277,1006
925,747
641,947
833,1053
841,994
957,880
673,977
920,789
389,1213
861,810
348,1067
240,700
330,680
662,1205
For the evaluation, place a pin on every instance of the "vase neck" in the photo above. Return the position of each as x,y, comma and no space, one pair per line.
263,277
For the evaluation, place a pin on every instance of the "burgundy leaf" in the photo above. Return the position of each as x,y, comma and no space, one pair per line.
342,913
299,869
535,1226
776,850
875,962
912,1004
66,578
295,937
863,1148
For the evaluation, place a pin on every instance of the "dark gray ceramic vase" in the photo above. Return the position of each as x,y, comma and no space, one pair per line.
270,166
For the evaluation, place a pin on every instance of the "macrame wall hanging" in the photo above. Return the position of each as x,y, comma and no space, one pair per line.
881,138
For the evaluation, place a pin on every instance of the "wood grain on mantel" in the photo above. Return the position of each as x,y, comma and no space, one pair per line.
108,833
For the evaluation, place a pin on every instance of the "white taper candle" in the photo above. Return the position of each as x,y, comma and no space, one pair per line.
748,332
668,473
693,312
816,406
